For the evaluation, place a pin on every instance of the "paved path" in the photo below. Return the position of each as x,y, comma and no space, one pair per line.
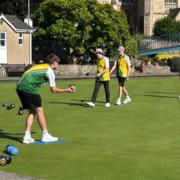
11,176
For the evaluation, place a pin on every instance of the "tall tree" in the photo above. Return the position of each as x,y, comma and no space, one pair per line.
83,25
18,7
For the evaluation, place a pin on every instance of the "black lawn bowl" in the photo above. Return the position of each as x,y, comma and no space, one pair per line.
5,160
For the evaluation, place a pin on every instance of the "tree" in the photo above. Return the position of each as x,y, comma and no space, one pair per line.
83,25
18,7
166,25
113,2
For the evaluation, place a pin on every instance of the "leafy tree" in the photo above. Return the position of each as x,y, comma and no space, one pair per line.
18,7
83,25
166,25
113,2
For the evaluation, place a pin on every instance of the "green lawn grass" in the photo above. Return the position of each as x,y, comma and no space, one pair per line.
137,141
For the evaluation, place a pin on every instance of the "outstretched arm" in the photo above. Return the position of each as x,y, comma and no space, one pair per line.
59,90
114,66
52,83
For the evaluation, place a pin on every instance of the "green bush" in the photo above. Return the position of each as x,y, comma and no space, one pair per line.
166,25
165,57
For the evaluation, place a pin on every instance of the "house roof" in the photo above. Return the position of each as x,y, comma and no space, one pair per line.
16,24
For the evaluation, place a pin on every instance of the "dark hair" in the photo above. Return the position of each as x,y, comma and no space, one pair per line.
51,58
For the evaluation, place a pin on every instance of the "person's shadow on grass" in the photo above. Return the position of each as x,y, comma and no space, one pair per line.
11,136
69,103
161,92
80,102
158,96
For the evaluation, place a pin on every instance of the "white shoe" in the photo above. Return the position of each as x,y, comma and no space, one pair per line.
127,100
107,105
178,97
91,104
118,102
48,138
28,140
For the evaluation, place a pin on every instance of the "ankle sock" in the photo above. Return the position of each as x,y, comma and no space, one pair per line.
45,131
27,133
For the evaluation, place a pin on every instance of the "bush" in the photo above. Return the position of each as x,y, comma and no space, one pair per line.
175,64
165,57
166,25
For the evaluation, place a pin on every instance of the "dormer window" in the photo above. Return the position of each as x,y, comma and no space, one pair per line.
20,38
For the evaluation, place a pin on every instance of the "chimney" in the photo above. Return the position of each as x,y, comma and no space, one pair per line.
28,21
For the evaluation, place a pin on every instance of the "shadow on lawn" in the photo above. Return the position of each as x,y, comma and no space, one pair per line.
69,103
11,136
80,102
86,100
160,92
159,96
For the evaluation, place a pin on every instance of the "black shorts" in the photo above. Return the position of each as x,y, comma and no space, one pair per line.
29,101
121,81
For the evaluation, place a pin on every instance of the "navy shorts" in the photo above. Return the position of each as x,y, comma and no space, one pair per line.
121,81
29,101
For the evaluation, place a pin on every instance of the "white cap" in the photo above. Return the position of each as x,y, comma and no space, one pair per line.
99,50
121,48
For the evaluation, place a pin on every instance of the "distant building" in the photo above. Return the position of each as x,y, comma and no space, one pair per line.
142,14
15,41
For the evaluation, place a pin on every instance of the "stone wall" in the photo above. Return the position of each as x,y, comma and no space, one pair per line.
90,70
73,71
150,69
76,70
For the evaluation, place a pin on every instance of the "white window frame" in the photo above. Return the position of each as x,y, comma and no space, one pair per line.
21,39
170,4
3,39
170,1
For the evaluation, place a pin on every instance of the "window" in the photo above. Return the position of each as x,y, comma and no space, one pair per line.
170,4
20,38
170,1
2,39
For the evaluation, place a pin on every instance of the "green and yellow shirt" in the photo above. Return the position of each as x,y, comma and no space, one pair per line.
101,65
35,77
123,64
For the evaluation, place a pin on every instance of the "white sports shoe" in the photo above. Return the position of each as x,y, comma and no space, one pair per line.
127,100
118,102
91,104
28,140
107,105
48,138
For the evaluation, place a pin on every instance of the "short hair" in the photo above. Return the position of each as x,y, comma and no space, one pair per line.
51,58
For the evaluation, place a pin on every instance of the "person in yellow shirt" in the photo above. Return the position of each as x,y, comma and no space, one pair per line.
123,66
102,77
